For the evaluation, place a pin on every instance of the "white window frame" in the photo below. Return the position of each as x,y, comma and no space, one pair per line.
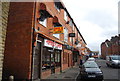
44,23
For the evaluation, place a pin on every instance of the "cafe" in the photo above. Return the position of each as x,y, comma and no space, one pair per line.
51,57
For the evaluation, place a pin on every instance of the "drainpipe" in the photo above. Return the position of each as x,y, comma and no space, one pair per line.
33,29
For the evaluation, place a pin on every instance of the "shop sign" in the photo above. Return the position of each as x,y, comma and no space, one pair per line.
49,43
58,30
71,34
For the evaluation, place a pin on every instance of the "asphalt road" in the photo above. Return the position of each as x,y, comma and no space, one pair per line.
109,73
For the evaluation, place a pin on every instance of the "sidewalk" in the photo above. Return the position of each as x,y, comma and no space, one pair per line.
68,75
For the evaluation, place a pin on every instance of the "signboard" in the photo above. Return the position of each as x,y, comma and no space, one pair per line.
58,30
71,34
49,43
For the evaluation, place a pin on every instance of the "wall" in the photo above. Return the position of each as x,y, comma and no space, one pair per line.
4,9
17,61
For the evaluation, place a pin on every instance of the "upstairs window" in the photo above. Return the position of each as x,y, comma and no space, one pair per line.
65,15
70,23
66,35
58,5
43,15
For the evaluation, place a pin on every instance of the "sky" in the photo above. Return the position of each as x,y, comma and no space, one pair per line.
97,20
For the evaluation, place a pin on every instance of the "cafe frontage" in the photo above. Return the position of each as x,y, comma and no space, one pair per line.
50,58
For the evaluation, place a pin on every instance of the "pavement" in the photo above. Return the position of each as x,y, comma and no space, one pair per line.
67,75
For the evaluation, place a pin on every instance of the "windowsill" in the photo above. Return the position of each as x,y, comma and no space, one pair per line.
56,38
46,70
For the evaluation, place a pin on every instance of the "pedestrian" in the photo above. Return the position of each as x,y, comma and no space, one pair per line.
81,62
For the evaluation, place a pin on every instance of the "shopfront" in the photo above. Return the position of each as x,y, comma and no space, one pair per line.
51,57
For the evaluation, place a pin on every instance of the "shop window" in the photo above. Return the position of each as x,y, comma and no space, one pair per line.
57,58
65,58
50,58
46,64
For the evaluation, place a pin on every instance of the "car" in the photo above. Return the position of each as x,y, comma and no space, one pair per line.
90,70
113,61
91,59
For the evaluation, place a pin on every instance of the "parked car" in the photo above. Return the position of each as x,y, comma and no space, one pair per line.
90,70
113,60
91,59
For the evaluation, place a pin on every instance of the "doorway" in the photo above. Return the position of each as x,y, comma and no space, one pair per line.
36,61
52,58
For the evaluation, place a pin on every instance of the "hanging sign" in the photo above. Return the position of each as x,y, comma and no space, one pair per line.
58,30
49,43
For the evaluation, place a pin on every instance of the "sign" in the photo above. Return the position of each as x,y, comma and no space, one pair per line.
49,43
71,34
58,30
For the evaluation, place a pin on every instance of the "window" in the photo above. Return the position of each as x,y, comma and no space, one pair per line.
56,35
65,16
43,17
70,39
70,23
73,27
44,22
46,59
57,58
66,35
57,8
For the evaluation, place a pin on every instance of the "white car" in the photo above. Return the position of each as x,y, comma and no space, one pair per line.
91,59
113,60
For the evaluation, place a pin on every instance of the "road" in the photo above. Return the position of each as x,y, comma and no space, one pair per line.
109,73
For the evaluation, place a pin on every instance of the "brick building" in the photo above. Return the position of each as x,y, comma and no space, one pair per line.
32,50
4,9
111,47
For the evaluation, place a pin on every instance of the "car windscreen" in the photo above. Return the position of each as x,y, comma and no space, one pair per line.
115,57
90,65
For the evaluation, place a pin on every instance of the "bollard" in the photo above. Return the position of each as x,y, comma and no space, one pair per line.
11,78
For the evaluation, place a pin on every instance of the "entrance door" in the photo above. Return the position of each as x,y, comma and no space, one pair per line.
52,63
36,61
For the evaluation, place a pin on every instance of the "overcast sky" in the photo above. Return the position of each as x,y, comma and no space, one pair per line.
97,20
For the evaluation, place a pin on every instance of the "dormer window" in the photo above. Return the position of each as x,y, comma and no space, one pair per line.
70,23
65,16
43,15
58,5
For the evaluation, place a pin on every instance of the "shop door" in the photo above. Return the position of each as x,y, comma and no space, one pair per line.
52,63
36,61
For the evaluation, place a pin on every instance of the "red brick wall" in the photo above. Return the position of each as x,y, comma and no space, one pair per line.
46,74
17,61
57,69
